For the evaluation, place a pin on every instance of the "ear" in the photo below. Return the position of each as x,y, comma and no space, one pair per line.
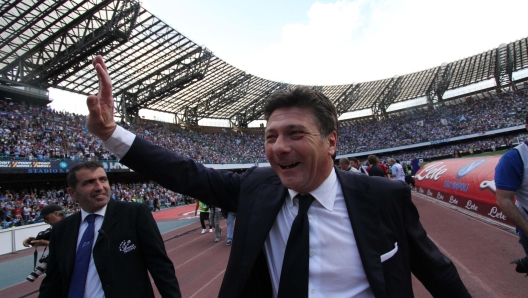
332,143
71,191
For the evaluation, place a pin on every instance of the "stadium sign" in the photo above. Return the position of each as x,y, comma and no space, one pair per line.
467,183
52,167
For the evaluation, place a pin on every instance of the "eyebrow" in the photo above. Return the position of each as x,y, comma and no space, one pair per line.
93,179
290,127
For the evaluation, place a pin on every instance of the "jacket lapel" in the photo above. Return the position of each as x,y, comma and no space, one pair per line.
266,205
265,209
109,220
363,211
70,245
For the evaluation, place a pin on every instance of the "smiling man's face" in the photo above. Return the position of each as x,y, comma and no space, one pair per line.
296,150
92,191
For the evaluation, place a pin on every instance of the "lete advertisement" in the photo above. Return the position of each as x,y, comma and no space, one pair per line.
466,183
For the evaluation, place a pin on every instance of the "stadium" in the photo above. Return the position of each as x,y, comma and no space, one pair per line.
472,107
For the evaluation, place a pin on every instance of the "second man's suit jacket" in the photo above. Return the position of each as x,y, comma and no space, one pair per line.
128,245
381,213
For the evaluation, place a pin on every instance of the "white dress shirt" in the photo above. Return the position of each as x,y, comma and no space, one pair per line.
93,288
335,265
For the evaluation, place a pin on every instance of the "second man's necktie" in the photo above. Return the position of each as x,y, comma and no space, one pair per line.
82,260
295,267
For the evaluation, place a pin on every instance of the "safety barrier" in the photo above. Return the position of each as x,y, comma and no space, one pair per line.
463,182
11,238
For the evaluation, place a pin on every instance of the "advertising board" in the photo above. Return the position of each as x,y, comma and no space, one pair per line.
466,183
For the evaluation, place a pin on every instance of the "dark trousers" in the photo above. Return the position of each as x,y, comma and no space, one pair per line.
203,217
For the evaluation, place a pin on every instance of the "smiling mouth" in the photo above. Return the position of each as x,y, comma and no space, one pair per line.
289,166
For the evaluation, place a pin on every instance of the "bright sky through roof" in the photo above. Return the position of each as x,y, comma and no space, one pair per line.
336,42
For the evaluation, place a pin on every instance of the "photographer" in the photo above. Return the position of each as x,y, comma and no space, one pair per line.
51,215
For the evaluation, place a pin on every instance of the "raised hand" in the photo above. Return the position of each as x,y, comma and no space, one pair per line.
100,121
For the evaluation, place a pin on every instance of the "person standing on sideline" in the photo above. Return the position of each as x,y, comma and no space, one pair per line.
156,203
230,219
397,172
374,169
108,248
511,180
302,225
51,214
344,164
215,213
356,166
204,214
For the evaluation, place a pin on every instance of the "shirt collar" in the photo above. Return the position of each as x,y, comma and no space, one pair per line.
325,194
100,212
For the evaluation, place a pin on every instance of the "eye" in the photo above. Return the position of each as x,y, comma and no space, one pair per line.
295,134
271,138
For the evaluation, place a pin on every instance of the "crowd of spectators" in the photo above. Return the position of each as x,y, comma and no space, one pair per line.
21,207
28,132
461,148
414,126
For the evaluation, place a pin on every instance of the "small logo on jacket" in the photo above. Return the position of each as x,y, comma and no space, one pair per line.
126,246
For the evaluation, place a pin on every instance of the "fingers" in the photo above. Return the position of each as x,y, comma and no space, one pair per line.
99,60
105,84
93,106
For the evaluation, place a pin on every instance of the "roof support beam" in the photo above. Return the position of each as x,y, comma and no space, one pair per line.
254,109
168,81
439,84
226,94
387,97
503,66
347,99
74,44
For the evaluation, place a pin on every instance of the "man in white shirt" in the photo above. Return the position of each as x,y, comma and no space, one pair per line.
397,172
365,237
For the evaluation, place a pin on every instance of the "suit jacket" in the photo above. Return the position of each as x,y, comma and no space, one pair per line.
128,245
381,213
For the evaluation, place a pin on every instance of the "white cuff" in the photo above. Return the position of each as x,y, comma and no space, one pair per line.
120,142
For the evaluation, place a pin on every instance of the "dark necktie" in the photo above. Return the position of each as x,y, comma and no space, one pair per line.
294,274
82,259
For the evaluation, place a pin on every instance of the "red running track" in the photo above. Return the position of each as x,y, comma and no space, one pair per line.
481,253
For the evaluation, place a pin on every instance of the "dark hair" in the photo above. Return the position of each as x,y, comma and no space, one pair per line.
306,98
344,159
353,159
372,159
71,179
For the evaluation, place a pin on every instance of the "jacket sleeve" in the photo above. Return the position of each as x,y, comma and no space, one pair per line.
436,271
184,175
155,257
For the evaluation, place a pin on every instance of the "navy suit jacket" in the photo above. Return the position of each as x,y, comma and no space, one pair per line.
129,245
381,213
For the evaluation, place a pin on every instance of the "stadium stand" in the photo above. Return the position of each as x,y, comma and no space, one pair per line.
39,133
13,202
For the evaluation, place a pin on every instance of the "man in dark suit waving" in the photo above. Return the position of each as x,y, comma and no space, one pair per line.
303,228
106,249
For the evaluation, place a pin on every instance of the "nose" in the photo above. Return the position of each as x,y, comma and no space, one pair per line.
98,185
281,146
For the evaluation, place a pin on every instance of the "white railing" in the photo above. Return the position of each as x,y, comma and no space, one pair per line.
11,238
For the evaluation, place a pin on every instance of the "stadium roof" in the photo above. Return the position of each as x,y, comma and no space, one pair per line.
52,43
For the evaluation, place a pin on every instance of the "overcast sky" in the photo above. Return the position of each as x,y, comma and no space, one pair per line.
336,42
